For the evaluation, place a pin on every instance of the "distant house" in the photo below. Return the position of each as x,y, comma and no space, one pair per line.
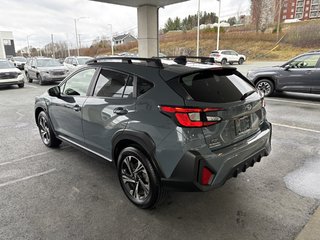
7,48
123,39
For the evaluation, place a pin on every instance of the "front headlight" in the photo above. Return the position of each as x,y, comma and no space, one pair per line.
45,73
250,75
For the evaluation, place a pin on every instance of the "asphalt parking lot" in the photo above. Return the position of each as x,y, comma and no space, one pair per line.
66,194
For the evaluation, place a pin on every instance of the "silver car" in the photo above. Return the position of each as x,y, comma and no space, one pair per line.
10,75
73,63
46,70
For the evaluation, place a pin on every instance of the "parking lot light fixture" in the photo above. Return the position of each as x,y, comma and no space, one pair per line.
218,32
76,32
198,29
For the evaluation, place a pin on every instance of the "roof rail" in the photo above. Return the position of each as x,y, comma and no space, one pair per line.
153,62
183,59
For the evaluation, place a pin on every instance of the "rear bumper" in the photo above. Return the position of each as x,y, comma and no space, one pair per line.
224,163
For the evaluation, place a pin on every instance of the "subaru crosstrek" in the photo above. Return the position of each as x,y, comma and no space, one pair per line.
163,126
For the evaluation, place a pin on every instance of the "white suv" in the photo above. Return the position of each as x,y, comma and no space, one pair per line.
227,56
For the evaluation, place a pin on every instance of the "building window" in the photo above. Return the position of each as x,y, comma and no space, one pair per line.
307,8
284,17
299,15
292,10
308,2
300,9
285,11
306,15
7,42
291,16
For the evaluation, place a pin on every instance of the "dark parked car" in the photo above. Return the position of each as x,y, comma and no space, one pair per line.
301,74
163,126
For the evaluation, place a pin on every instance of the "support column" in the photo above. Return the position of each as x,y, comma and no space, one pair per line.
148,26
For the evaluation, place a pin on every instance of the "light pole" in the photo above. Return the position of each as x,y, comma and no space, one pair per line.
198,29
76,31
218,34
28,44
111,39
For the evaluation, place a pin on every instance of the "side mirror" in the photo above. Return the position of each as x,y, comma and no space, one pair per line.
54,91
287,67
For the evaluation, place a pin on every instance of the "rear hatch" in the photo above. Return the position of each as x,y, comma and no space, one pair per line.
229,106
214,54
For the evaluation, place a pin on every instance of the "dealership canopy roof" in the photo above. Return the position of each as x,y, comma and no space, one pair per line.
148,22
139,3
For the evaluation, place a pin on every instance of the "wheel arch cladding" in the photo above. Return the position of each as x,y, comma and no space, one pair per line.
140,140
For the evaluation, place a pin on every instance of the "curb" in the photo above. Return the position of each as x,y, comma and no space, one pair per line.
311,230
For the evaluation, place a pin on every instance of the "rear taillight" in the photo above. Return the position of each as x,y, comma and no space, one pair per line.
206,176
192,117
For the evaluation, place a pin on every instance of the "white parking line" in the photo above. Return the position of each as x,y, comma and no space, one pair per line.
31,156
27,178
294,102
297,128
28,85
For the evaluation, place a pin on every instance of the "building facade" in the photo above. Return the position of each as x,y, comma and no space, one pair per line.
7,48
300,9
123,39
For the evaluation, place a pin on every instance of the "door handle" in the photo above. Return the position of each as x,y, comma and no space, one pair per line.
120,111
77,108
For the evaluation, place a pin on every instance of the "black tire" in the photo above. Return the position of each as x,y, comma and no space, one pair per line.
224,61
241,61
143,186
231,63
40,80
21,85
266,86
46,132
28,77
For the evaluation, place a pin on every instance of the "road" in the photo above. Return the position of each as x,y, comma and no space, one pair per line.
66,194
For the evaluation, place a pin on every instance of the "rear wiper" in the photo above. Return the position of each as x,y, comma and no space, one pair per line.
247,95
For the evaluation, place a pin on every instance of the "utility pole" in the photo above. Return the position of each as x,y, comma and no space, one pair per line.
218,33
279,19
79,43
198,30
76,30
28,45
52,43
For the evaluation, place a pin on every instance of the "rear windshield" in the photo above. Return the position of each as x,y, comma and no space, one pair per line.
215,86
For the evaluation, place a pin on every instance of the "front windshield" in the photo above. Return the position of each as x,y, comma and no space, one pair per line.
6,64
20,59
48,63
83,61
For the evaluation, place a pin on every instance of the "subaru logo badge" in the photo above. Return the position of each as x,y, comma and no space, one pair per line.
248,107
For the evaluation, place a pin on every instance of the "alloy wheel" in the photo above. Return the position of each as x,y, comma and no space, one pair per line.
44,130
264,87
135,178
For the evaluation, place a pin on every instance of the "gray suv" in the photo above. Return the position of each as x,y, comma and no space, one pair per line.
300,74
163,126
45,70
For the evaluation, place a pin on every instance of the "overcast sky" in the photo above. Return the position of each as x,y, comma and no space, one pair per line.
38,19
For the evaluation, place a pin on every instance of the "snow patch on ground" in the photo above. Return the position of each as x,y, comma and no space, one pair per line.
305,181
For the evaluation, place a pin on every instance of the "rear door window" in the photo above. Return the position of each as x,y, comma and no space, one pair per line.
113,84
215,86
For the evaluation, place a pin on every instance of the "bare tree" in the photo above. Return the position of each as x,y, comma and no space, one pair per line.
256,11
